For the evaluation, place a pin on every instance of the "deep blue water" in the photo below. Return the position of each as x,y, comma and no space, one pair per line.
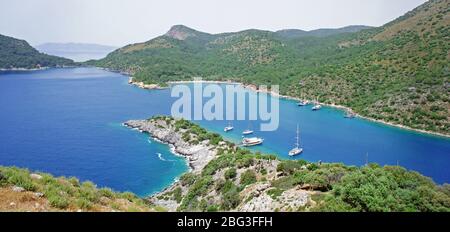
68,122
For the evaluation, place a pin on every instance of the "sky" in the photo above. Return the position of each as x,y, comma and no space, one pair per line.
121,22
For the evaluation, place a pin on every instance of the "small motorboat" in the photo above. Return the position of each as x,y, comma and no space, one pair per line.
228,128
316,107
248,131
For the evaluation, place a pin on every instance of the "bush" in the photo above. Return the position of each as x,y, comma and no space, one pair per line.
230,199
230,173
57,201
106,192
275,192
247,178
20,177
288,167
187,179
177,194
83,203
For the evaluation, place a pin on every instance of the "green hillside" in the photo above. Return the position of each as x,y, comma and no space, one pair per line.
16,53
396,73
24,191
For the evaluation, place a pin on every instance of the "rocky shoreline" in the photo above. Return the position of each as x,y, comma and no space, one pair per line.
197,156
145,86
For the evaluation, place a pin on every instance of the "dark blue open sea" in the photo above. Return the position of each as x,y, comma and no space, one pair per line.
69,122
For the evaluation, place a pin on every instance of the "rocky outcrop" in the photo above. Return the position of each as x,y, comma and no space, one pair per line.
254,197
197,155
261,201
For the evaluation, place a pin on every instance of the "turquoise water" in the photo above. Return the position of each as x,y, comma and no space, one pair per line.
68,122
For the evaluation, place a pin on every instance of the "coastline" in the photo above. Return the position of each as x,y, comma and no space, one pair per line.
196,156
255,89
24,69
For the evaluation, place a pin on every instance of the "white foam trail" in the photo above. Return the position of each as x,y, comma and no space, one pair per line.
160,157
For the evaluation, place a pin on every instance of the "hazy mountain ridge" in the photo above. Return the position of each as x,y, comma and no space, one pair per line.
75,47
76,51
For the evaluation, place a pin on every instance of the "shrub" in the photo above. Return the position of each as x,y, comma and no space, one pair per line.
230,199
275,192
230,173
177,194
57,201
128,195
83,203
106,192
247,178
20,177
187,179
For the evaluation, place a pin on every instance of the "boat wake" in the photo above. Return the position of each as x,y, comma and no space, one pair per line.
160,156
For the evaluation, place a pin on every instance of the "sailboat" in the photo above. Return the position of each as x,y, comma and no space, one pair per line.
228,128
297,149
248,131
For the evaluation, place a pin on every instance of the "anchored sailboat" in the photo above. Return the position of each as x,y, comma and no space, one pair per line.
297,149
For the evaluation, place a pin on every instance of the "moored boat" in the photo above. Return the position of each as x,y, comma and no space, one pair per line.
248,142
297,149
316,107
248,131
228,128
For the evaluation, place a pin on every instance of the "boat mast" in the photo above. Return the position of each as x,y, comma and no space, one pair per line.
298,137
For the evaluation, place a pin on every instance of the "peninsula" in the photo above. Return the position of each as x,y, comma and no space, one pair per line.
226,177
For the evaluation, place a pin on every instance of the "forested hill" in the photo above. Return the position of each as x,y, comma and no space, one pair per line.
397,73
15,53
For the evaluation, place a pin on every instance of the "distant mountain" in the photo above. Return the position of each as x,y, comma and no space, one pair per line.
15,53
296,33
396,73
76,51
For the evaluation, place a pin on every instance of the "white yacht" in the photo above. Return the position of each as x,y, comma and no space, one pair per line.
248,142
297,149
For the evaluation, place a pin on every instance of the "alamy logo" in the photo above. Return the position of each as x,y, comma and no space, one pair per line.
213,102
